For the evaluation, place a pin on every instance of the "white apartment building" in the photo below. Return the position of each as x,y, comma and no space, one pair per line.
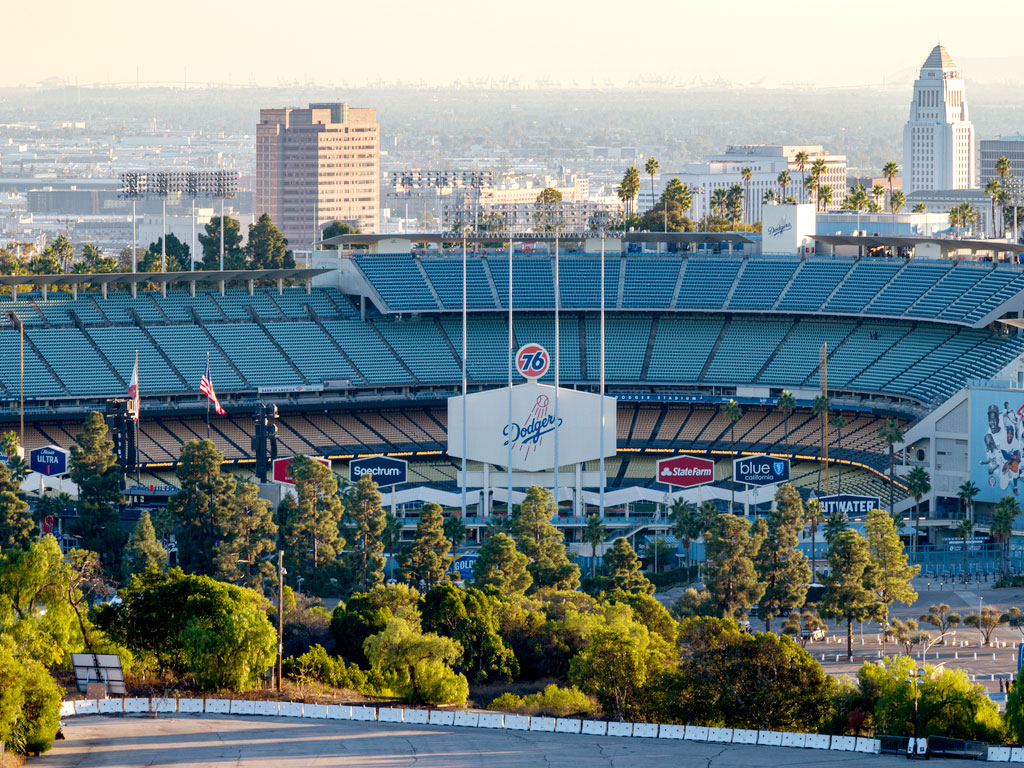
766,162
938,139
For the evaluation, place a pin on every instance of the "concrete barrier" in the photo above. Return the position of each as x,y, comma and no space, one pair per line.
441,717
492,720
798,740
568,725
743,736
620,729
163,705
240,707
671,732
468,719
645,730
314,711
290,709
1017,754
136,705
190,705
818,740
595,728
868,746
998,755
517,722
418,716
87,707
67,708
110,706
542,724
364,713
696,733
390,715
267,708
218,706
843,743
723,735
339,712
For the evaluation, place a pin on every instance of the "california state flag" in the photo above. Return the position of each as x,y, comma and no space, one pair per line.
133,388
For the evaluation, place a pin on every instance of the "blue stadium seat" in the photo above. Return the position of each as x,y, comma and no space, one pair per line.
119,345
75,362
445,274
650,282
706,282
312,351
814,282
761,283
398,280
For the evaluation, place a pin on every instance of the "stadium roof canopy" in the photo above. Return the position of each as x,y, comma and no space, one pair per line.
943,243
540,237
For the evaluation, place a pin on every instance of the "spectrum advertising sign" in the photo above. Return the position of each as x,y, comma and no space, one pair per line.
383,469
686,471
532,428
760,470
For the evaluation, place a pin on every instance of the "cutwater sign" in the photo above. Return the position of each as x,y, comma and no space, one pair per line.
49,460
528,433
848,504
383,469
463,566
760,470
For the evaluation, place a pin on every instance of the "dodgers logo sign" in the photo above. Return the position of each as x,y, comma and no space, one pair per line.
528,434
760,470
532,361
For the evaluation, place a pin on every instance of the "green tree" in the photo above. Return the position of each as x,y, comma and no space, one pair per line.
624,568
334,229
266,247
594,533
781,567
918,484
545,214
366,526
733,413
986,621
890,171
502,566
427,559
942,617
686,526
29,701
455,530
143,550
1014,715
784,180
812,513
891,434
248,538
94,262
651,169
234,256
964,529
835,524
199,506
1001,528
391,537
176,256
367,613
311,526
542,543
893,576
966,493
95,470
730,576
415,665
850,583
786,404
17,530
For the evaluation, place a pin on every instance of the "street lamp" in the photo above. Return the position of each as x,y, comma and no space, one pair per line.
918,677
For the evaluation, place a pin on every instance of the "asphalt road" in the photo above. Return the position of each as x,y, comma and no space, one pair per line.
205,740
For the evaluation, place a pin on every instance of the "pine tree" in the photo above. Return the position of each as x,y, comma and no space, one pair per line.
502,566
889,557
623,568
542,543
16,527
234,256
95,470
143,550
780,565
366,525
311,522
198,508
266,247
427,558
730,577
248,535
849,585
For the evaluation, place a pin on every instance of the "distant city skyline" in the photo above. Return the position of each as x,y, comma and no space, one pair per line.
823,43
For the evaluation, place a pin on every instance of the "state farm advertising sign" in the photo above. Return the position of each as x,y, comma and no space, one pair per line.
282,468
686,471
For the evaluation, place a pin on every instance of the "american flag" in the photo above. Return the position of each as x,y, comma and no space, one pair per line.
206,387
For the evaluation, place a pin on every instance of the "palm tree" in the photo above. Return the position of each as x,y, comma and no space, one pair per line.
651,168
784,181
733,413
839,422
897,200
1006,512
890,434
706,514
822,406
787,404
818,168
858,198
878,194
800,159
746,174
734,203
769,196
719,199
686,525
594,533
918,484
632,180
812,513
1004,169
825,197
961,216
809,189
967,491
964,529
890,171
992,190
920,208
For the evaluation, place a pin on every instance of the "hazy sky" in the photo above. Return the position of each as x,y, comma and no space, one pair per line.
570,42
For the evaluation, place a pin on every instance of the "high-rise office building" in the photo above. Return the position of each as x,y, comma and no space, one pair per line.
938,139
318,165
991,150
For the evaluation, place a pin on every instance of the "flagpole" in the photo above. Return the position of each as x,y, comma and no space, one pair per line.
601,400
138,418
511,355
211,375
558,301
465,380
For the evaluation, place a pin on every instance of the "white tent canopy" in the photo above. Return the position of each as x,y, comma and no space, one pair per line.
39,484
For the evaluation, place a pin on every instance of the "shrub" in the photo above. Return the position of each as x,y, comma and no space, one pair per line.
317,666
552,701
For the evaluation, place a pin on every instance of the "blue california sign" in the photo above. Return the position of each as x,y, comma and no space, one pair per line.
463,566
48,460
760,470
383,469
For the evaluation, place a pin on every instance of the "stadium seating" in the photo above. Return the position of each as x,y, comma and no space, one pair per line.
761,283
398,280
649,282
75,362
446,277
312,352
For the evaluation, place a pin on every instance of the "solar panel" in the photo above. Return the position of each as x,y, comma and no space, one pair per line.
98,668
